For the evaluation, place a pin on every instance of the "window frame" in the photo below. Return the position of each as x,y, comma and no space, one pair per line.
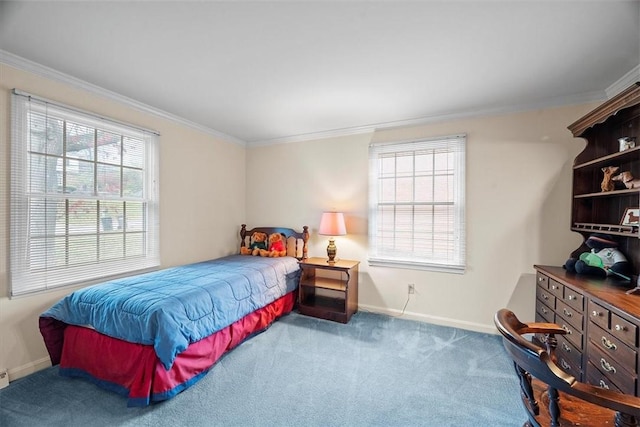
26,276
455,259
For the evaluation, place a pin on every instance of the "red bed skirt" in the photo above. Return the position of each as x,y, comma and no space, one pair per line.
134,370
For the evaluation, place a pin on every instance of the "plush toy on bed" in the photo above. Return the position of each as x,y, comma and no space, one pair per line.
258,243
277,246
604,259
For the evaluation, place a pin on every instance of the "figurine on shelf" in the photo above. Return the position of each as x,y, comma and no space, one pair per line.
607,182
627,179
626,143
604,259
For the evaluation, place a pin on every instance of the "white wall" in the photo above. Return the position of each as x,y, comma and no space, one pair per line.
518,211
202,204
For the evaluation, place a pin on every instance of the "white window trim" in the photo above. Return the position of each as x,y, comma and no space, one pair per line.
458,265
22,280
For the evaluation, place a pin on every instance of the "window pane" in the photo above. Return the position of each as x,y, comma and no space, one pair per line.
112,216
79,178
45,134
135,245
80,141
133,153
83,216
135,214
44,177
111,246
83,250
133,185
109,147
108,180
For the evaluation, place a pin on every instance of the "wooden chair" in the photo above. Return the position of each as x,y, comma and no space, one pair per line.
566,401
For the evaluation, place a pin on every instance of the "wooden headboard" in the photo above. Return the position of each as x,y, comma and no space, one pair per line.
296,242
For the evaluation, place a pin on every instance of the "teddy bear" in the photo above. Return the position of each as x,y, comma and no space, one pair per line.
277,246
604,259
258,243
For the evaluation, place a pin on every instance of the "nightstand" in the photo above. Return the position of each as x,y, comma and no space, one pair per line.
328,291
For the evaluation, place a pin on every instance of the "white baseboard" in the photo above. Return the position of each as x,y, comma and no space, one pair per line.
436,320
29,368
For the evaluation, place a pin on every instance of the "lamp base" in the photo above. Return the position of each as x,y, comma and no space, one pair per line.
332,250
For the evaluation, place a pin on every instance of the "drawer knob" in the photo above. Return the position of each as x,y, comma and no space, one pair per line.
544,310
607,366
566,348
572,297
608,344
564,365
603,384
595,314
567,330
554,287
540,279
620,328
567,312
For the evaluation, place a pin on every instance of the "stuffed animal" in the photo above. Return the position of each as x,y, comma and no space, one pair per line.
607,184
277,246
627,179
604,259
258,242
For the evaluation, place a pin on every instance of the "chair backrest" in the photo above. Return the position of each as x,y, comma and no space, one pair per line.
532,360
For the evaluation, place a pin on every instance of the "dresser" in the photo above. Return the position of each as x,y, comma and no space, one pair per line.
601,321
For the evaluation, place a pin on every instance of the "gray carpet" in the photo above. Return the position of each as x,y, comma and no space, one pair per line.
376,370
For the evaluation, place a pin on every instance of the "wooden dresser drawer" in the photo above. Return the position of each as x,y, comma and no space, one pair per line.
624,330
573,298
556,288
545,312
542,280
574,335
568,351
611,369
613,348
598,315
570,314
546,297
597,378
569,367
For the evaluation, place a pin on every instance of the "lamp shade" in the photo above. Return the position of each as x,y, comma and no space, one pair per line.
332,224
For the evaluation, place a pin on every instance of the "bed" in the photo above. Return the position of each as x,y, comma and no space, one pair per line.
150,336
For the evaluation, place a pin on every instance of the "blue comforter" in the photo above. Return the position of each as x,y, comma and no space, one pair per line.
172,308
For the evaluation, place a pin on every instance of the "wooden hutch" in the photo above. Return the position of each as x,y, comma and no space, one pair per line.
601,318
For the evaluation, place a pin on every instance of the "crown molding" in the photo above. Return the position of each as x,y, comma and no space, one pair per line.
624,82
583,98
23,64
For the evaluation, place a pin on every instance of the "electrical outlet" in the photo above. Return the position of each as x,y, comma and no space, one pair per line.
4,378
411,289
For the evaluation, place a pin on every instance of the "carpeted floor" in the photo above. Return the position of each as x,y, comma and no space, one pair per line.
374,371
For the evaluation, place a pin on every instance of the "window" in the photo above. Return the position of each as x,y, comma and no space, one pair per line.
84,200
416,213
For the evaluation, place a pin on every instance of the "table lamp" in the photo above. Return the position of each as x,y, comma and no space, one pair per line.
332,224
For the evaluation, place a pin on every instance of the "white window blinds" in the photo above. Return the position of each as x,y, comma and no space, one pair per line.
417,195
84,197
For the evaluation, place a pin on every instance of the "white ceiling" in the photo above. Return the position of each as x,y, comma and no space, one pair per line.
270,70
